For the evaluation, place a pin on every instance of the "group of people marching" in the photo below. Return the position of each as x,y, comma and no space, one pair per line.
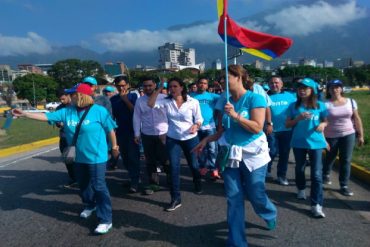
236,137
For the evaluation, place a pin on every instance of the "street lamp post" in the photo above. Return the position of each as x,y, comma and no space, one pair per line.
234,56
34,91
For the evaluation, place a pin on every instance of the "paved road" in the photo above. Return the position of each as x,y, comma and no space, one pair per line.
35,210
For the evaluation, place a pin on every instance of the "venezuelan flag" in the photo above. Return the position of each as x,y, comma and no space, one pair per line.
259,44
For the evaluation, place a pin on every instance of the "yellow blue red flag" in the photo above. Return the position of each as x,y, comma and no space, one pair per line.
259,44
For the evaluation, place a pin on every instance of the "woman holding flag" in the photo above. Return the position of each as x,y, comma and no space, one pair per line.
245,171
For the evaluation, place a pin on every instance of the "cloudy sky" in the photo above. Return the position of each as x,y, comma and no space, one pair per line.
35,26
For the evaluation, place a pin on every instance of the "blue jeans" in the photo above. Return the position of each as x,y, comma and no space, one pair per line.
279,143
239,182
93,189
315,156
130,153
174,148
345,147
207,158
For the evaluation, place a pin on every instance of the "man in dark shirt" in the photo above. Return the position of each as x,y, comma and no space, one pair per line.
65,101
123,108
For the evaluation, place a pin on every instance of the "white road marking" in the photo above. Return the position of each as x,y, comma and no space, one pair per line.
27,157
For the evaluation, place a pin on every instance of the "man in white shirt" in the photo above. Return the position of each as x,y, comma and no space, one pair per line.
150,128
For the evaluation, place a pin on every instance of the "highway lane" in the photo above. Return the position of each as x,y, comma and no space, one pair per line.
35,210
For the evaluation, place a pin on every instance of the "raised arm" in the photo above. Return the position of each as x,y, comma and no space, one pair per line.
31,115
154,96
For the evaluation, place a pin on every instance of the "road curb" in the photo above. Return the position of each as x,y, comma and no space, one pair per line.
360,173
27,147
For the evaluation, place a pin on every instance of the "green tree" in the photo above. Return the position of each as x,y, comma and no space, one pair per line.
71,71
43,86
257,74
358,75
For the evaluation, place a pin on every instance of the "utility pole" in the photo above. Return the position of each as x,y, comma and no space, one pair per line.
34,91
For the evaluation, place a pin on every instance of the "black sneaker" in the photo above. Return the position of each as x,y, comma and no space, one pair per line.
173,205
346,191
71,185
133,189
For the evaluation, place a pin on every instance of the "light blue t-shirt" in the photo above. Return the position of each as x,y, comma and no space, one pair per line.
207,102
91,147
236,134
304,133
257,89
279,105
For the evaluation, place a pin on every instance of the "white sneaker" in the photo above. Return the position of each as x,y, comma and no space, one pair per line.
301,194
317,211
103,228
87,213
282,181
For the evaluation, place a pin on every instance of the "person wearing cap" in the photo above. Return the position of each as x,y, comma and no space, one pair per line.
123,110
91,150
109,91
279,139
343,123
98,99
308,119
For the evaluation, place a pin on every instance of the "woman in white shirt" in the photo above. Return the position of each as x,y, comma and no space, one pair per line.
184,119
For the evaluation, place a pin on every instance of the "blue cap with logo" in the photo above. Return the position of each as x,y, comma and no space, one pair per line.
72,89
308,82
90,80
335,82
109,89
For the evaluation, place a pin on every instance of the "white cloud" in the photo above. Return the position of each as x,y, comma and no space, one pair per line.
145,40
304,20
32,43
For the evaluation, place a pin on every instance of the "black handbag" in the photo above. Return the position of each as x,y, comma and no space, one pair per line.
69,153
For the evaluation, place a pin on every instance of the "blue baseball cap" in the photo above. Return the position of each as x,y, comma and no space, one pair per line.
308,82
335,82
72,89
90,80
80,88
109,89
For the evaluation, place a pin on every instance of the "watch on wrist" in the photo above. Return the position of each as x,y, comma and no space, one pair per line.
270,123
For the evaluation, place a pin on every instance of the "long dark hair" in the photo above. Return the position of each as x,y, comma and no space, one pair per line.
311,102
184,92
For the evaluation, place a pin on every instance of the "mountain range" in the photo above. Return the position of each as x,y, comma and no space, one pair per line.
348,41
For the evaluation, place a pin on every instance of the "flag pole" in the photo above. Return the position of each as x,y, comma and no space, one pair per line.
226,65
